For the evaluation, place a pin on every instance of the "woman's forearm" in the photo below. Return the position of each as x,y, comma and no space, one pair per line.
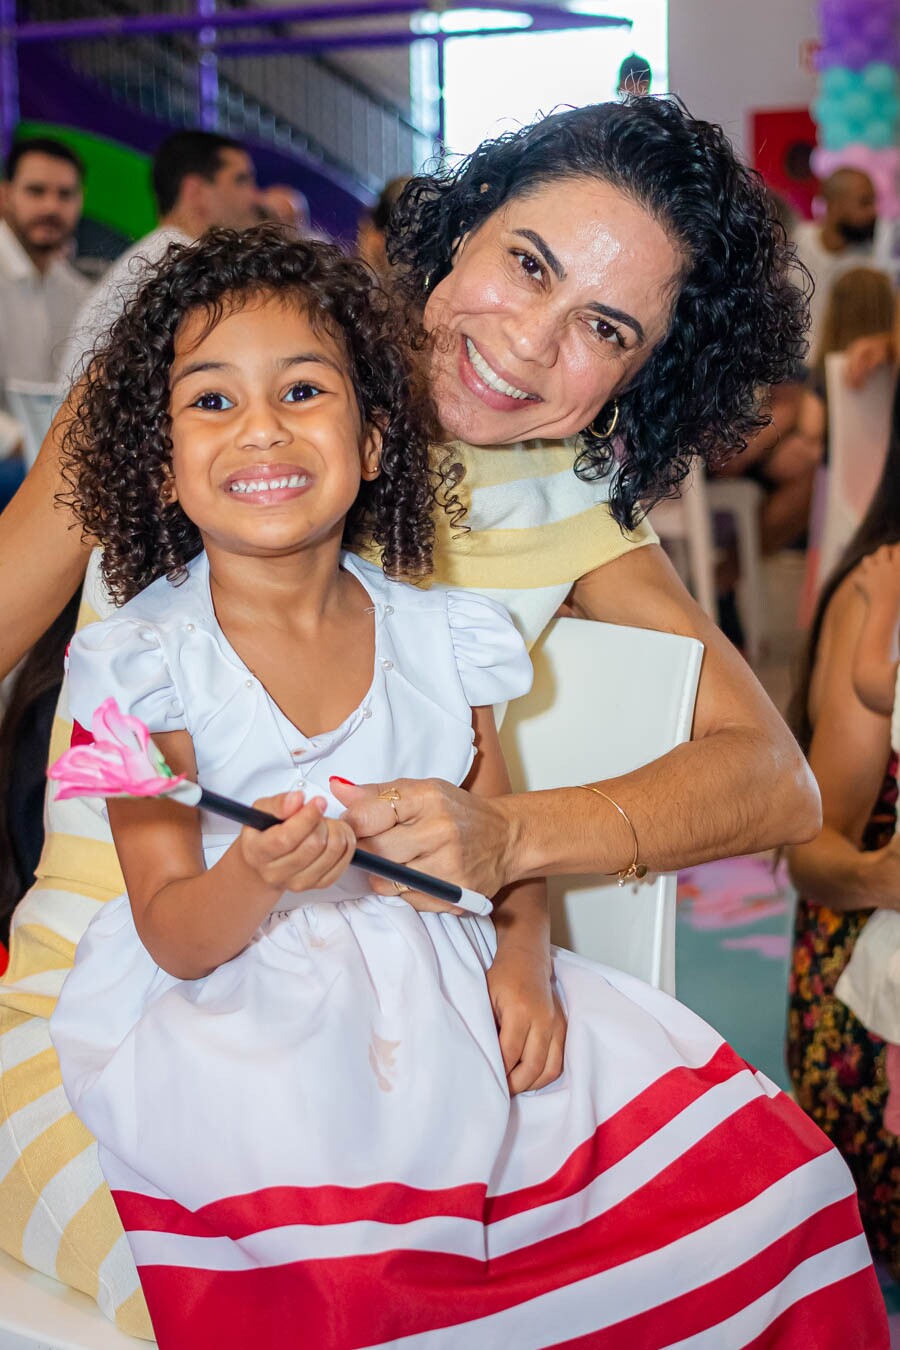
42,556
831,871
732,792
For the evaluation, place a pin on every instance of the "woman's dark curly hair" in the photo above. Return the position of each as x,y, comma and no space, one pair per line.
117,447
738,319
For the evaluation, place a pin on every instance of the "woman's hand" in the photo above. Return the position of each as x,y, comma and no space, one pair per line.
457,835
529,1019
307,852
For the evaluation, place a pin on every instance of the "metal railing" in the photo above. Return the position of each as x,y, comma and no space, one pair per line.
294,101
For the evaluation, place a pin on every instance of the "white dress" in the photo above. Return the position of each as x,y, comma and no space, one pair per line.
314,1145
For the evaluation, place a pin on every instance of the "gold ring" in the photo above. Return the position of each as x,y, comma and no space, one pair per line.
399,887
393,796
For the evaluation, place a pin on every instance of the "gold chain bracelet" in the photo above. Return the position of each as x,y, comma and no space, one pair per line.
635,871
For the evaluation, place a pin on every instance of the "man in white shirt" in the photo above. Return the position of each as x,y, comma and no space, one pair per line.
40,290
844,239
200,179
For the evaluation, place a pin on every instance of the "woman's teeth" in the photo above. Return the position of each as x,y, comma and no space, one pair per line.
296,480
490,376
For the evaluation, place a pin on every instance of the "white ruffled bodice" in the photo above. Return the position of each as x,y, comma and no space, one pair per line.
438,654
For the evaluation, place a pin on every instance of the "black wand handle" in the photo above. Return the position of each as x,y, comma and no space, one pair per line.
370,862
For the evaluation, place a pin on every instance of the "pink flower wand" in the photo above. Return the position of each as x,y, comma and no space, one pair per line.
122,761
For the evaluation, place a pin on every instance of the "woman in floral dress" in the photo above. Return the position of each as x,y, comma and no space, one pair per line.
837,1066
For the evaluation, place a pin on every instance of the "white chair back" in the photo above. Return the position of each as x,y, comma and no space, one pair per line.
858,430
686,522
606,700
34,405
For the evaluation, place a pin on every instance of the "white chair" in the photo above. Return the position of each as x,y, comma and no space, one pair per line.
686,523
858,431
40,1314
740,498
605,701
34,405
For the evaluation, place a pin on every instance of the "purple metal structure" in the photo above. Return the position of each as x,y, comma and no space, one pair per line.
209,24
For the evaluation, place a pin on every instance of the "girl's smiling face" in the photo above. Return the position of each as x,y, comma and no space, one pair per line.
268,444
552,307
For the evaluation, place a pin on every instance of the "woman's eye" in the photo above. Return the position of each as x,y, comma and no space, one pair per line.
607,331
301,393
212,403
528,263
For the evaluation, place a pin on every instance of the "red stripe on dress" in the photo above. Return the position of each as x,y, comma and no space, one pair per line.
288,1305
239,1216
847,1315
713,1303
370,1299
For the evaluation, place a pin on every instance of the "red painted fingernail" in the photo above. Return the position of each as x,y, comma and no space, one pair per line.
336,778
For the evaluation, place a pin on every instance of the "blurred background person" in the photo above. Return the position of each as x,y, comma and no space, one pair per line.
371,240
289,206
199,179
40,290
635,76
844,238
852,868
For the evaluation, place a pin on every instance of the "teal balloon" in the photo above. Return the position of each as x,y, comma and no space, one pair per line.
879,78
836,81
836,133
879,134
857,106
887,108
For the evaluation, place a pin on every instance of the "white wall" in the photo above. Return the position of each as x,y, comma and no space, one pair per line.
730,57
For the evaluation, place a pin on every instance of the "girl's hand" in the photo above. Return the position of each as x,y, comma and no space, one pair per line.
877,578
307,852
529,1018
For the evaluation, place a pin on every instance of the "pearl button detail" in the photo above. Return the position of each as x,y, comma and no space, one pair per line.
387,665
248,684
189,628
367,712
389,609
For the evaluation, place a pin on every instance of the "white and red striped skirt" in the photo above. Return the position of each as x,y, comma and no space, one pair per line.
314,1147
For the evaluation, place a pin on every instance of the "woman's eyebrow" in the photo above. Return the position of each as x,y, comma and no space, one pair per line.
609,312
545,251
559,272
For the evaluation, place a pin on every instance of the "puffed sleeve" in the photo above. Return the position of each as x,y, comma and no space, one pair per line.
491,656
122,659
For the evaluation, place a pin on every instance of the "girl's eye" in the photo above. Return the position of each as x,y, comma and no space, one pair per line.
607,331
301,392
528,263
212,403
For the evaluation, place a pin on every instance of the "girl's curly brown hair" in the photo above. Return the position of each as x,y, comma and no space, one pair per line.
117,447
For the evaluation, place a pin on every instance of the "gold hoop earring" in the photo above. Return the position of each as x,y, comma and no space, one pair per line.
608,431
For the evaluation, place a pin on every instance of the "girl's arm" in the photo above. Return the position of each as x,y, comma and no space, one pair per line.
530,1021
849,755
42,556
191,919
740,786
875,659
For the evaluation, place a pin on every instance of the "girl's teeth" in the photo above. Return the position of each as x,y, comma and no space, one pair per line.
296,480
490,376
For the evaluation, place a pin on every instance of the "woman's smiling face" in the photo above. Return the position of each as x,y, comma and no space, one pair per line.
552,307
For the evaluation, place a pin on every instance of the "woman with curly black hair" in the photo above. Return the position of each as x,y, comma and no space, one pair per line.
605,294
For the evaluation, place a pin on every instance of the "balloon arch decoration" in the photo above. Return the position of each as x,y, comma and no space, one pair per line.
858,104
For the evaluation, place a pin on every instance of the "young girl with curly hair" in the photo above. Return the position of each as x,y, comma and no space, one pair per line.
331,1119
